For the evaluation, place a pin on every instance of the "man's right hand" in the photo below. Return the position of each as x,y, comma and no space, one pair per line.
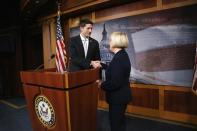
95,64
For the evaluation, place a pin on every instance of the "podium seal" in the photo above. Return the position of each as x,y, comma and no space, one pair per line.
44,111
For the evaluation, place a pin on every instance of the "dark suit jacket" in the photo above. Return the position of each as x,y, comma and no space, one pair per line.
78,60
117,85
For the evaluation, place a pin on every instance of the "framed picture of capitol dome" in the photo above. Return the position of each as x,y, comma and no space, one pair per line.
162,45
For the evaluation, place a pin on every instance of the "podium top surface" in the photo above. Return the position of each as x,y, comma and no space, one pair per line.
66,80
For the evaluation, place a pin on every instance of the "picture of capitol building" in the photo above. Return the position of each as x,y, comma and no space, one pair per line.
161,46
106,55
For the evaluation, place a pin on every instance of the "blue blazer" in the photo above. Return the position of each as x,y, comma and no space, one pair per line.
77,55
117,85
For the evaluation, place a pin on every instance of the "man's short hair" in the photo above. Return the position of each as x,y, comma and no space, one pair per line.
85,21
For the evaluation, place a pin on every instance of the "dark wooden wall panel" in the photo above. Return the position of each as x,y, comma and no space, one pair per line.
32,51
67,4
126,8
143,97
182,102
11,62
171,1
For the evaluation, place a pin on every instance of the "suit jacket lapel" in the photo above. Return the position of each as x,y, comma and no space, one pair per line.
80,46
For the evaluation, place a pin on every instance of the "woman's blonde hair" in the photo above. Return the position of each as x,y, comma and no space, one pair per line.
119,40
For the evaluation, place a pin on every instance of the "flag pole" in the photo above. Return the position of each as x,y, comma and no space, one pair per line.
194,84
61,55
67,60
58,8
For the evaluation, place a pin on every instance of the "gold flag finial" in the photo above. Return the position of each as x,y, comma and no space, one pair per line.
58,10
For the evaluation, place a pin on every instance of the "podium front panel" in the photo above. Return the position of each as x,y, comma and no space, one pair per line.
61,102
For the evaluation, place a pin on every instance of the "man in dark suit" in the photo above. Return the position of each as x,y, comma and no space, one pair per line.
84,50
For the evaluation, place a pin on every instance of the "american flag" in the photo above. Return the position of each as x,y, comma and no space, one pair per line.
60,57
194,85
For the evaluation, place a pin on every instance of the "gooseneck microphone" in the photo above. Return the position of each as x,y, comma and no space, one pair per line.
52,56
42,65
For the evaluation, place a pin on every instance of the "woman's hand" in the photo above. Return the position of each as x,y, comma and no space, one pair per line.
99,83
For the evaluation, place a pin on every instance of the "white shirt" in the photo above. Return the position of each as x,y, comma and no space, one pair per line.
85,42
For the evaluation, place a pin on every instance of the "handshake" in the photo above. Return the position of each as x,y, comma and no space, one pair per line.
95,64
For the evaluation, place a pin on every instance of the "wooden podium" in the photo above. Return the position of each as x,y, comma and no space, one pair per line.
61,102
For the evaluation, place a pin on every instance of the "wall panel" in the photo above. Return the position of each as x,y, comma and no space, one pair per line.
67,4
140,96
125,8
102,15
171,1
179,101
164,102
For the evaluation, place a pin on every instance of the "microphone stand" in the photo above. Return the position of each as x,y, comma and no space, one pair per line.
42,65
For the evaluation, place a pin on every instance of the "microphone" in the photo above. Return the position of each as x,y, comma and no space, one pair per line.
42,65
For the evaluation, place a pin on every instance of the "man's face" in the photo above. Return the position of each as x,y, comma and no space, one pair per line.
86,30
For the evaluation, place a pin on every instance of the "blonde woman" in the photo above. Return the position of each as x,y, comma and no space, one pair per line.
116,86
